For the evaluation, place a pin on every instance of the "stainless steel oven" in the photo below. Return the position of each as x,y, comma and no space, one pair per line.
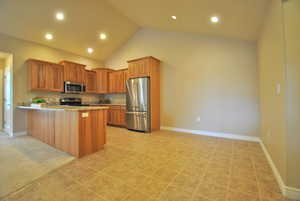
73,88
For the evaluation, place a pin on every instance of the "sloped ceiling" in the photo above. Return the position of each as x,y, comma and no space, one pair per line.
240,19
84,20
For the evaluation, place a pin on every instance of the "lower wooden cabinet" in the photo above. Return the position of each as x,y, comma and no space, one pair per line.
78,133
116,115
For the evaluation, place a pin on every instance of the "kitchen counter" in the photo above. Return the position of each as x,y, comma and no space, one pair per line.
107,104
77,130
64,107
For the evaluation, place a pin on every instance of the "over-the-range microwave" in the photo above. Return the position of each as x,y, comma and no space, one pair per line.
73,88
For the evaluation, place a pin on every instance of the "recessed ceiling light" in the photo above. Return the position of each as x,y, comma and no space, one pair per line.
60,16
90,50
214,19
174,17
49,36
102,36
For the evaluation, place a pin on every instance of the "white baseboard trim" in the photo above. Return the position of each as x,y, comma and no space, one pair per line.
22,133
289,192
213,134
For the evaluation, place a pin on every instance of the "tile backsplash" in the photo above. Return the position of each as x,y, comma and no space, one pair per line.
116,98
53,98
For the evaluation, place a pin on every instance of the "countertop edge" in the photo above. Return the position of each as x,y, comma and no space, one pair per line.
64,108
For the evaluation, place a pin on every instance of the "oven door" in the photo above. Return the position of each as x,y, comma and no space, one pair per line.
73,88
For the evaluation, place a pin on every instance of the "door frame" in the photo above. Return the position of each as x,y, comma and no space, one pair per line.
9,56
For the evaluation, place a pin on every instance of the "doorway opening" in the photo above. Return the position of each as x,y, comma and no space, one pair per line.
6,94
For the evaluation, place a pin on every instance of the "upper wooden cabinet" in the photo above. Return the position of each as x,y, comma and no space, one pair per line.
117,81
45,76
102,80
73,72
90,81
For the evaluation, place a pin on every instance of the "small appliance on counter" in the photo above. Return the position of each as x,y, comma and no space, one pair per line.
73,88
104,101
72,101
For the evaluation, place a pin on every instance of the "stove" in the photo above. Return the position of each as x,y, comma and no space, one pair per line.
72,101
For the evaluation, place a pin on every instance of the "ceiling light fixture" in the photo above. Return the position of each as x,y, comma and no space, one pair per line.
90,50
102,36
60,16
214,19
49,36
174,17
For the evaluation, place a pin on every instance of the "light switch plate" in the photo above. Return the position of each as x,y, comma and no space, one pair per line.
278,89
84,114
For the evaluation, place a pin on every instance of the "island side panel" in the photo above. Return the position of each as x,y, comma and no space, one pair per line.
41,125
66,132
92,131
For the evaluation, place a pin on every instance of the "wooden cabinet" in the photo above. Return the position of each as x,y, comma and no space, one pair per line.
102,80
117,81
73,72
92,131
138,68
86,135
149,67
125,72
90,81
44,76
116,115
56,77
123,116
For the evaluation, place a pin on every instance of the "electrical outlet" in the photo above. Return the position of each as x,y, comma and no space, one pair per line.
84,114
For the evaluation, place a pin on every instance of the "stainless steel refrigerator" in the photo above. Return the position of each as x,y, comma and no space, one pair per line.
138,104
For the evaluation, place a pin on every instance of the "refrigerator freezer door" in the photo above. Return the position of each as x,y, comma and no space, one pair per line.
137,94
138,121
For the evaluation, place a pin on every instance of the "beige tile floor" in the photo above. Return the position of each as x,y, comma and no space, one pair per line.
24,159
164,166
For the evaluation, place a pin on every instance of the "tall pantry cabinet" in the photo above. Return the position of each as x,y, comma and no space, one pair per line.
149,67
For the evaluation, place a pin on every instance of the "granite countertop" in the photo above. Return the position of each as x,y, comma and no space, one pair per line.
106,104
63,107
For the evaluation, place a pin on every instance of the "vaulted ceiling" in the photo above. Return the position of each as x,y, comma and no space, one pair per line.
85,20
238,18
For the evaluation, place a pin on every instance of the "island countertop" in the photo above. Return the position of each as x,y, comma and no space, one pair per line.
63,107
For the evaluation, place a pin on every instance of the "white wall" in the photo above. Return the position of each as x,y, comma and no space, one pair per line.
211,77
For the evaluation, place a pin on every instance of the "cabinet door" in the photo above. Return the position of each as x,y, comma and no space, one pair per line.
139,68
102,81
73,72
122,116
112,82
90,81
79,71
69,73
114,117
121,82
125,78
55,77
37,75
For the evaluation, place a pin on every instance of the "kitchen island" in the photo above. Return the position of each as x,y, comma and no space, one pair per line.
77,130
